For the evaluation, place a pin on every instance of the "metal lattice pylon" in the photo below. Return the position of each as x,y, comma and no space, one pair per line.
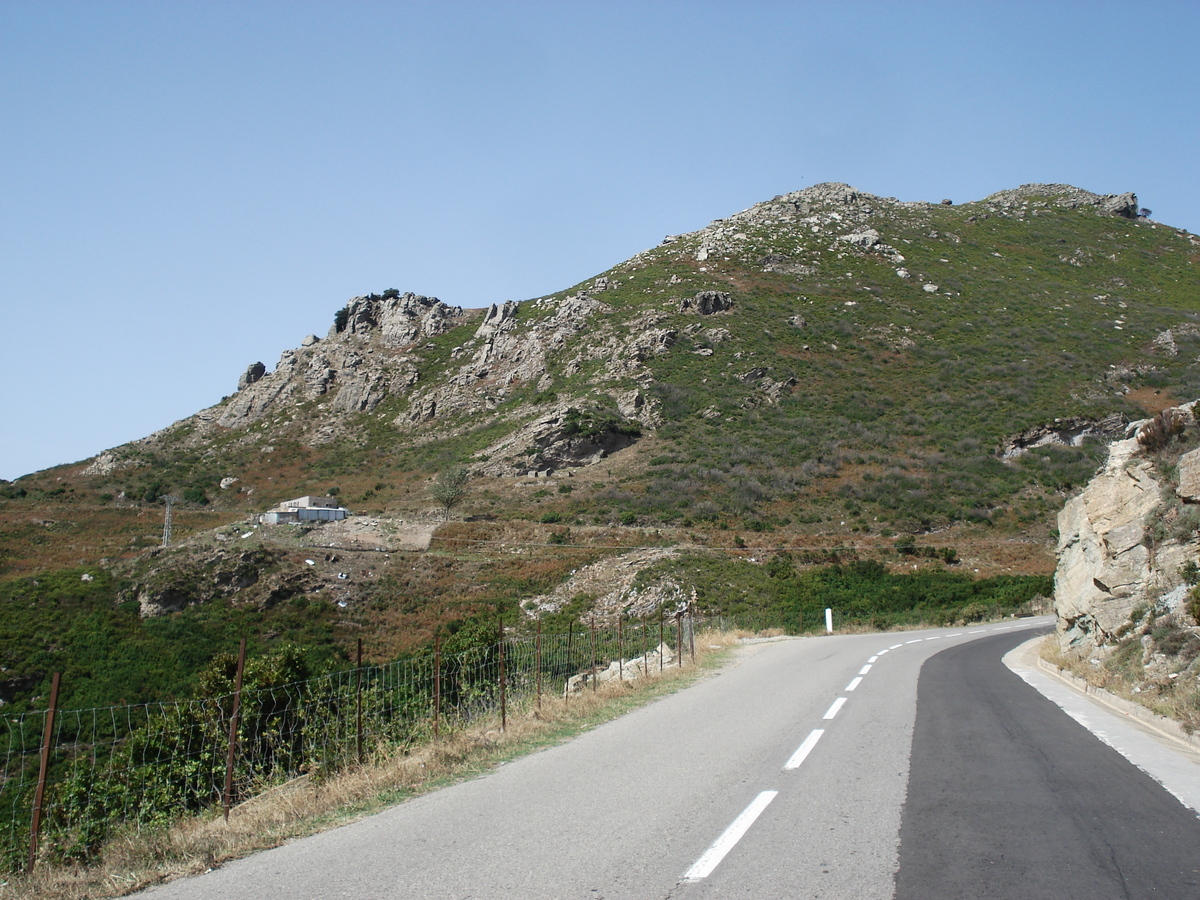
169,499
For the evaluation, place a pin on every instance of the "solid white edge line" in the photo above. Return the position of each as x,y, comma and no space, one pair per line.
804,749
834,707
704,866
865,669
853,684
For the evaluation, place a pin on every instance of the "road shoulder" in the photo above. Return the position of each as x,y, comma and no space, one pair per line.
1159,748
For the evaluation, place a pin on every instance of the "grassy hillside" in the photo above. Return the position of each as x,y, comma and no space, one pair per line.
855,395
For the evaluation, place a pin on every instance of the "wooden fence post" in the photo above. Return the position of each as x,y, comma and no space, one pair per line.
233,727
47,740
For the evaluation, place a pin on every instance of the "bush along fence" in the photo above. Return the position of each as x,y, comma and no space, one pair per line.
71,778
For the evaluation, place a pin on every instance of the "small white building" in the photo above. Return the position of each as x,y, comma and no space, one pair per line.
305,509
310,503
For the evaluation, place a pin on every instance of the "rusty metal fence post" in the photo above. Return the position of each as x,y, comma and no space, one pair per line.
539,666
503,707
593,627
679,638
358,703
645,645
570,661
35,826
233,728
437,685
620,648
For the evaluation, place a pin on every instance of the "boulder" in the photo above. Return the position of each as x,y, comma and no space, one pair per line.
706,303
627,670
1189,477
1124,205
865,239
254,372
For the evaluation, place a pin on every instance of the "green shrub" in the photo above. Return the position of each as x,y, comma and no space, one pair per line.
340,319
195,495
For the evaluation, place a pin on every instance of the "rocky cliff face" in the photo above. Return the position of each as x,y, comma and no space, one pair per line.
1124,540
367,356
377,350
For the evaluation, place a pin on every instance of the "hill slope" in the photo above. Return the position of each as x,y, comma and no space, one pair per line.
828,369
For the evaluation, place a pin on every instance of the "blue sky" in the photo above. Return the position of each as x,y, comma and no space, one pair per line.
189,187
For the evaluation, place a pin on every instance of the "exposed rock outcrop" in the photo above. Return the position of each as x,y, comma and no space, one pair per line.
706,303
254,372
399,319
1116,548
366,357
1068,432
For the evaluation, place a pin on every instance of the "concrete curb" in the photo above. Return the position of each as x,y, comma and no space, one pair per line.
1168,728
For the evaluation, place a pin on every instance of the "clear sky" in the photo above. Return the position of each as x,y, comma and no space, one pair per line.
188,187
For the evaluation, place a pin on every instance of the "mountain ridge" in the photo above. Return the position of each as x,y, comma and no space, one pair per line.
495,358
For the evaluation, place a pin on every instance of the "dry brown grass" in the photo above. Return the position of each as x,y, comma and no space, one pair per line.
1120,670
139,858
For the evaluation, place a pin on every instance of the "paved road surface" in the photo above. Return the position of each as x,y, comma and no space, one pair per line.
1009,798
784,776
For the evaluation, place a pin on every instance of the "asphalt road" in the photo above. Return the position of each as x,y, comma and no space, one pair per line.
1009,798
783,776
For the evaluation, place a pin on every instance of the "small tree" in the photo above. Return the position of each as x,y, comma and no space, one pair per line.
450,487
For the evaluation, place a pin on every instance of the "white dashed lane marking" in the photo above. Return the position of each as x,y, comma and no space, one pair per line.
834,708
704,866
804,749
707,864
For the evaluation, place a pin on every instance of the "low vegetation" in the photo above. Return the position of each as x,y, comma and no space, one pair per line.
134,858
1156,664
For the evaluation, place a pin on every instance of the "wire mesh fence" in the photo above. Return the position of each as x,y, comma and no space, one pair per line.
127,767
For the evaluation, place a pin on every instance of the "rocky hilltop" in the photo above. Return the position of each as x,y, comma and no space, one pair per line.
444,369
